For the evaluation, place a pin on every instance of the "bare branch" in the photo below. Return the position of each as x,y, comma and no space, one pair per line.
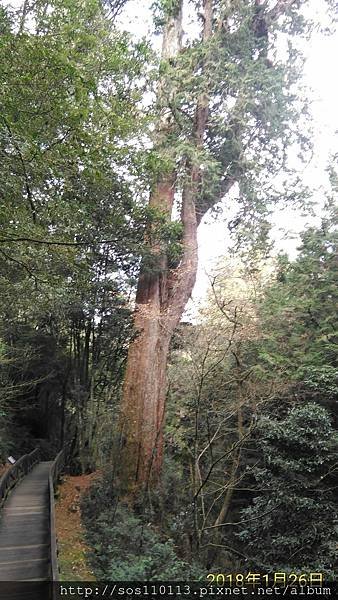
233,447
114,7
54,243
247,520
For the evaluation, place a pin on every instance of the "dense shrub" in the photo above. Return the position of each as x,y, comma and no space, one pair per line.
293,520
128,546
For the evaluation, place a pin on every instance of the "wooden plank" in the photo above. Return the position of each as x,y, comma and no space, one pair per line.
23,571
24,529
10,553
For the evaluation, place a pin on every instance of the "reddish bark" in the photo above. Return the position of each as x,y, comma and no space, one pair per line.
144,392
160,301
162,295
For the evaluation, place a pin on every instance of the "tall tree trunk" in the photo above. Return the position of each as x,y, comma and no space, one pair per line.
160,301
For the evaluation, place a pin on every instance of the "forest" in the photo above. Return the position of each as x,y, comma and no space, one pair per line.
208,441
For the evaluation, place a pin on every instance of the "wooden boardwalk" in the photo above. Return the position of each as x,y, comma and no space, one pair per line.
25,529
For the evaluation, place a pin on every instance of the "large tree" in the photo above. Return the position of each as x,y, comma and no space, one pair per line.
225,117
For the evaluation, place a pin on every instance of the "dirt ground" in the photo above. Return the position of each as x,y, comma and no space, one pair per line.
70,530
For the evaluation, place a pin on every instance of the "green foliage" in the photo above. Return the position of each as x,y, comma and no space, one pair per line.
126,545
129,549
71,228
293,520
253,113
164,248
162,9
259,369
299,314
60,162
15,437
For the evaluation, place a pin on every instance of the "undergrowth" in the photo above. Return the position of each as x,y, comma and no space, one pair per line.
127,544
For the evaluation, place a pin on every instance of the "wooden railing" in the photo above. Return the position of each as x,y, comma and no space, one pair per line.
54,475
22,466
15,473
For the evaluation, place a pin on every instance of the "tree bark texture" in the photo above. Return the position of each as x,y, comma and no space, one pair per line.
162,295
160,301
